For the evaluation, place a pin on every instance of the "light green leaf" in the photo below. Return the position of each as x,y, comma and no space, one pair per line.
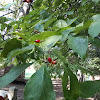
96,1
69,12
12,74
50,41
39,86
39,27
94,28
79,45
42,36
66,32
95,17
60,24
1,9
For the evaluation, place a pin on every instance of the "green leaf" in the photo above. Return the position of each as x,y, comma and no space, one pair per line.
60,24
11,45
69,12
37,3
94,29
12,74
79,45
39,27
89,88
39,86
96,1
50,41
43,35
1,9
49,22
58,2
73,93
16,52
95,42
95,17
66,32
70,21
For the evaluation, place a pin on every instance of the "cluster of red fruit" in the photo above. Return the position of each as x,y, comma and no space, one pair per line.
50,60
28,1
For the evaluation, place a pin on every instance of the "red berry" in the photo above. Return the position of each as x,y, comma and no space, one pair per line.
49,59
54,62
1,98
20,38
28,1
37,41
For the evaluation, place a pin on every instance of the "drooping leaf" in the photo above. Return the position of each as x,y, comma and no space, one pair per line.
50,41
94,29
12,74
39,86
73,92
79,45
11,45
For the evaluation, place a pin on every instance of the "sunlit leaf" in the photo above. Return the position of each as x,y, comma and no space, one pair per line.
79,45
50,41
94,28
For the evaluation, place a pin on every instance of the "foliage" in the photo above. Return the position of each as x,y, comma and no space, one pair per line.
68,26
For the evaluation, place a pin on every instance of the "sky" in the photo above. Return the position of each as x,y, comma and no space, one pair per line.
4,2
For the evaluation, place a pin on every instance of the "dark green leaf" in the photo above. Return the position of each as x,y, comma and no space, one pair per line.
16,52
39,86
89,88
12,74
70,21
11,45
73,93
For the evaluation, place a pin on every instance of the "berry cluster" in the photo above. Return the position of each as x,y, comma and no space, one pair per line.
50,60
